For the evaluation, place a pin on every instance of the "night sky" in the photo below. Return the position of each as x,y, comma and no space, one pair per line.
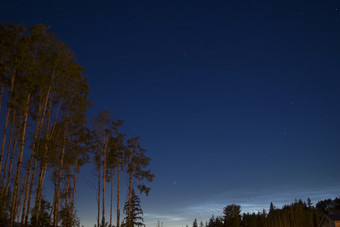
235,101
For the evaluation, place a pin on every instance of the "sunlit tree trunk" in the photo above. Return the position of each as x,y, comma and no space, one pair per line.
54,180
111,197
30,193
9,172
67,187
130,193
43,165
30,163
101,125
104,177
19,163
12,131
4,138
118,195
38,197
98,197
60,172
22,189
74,188
1,95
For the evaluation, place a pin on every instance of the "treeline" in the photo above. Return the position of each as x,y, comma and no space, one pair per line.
297,214
46,136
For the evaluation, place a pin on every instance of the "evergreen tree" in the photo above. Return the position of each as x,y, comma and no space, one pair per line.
4,207
136,163
201,224
133,212
194,224
212,222
43,218
219,221
66,219
232,216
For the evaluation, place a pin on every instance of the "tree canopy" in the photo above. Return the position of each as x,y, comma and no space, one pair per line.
46,136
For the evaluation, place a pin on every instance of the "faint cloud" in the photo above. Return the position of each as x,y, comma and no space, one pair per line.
254,201
204,208
163,217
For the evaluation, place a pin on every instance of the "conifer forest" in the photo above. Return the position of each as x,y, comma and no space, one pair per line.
297,214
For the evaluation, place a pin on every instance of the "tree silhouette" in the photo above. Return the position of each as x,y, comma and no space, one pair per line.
44,98
195,224
136,161
232,216
133,212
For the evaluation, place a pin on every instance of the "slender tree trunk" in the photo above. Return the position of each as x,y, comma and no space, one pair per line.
35,160
17,211
28,174
104,178
111,197
39,192
4,138
19,163
98,197
40,122
60,172
30,193
25,200
43,164
66,217
9,172
118,196
74,189
130,193
9,148
1,95
54,179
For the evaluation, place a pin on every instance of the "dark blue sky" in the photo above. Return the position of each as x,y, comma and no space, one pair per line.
235,101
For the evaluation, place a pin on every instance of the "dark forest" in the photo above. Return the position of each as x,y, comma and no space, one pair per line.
297,214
